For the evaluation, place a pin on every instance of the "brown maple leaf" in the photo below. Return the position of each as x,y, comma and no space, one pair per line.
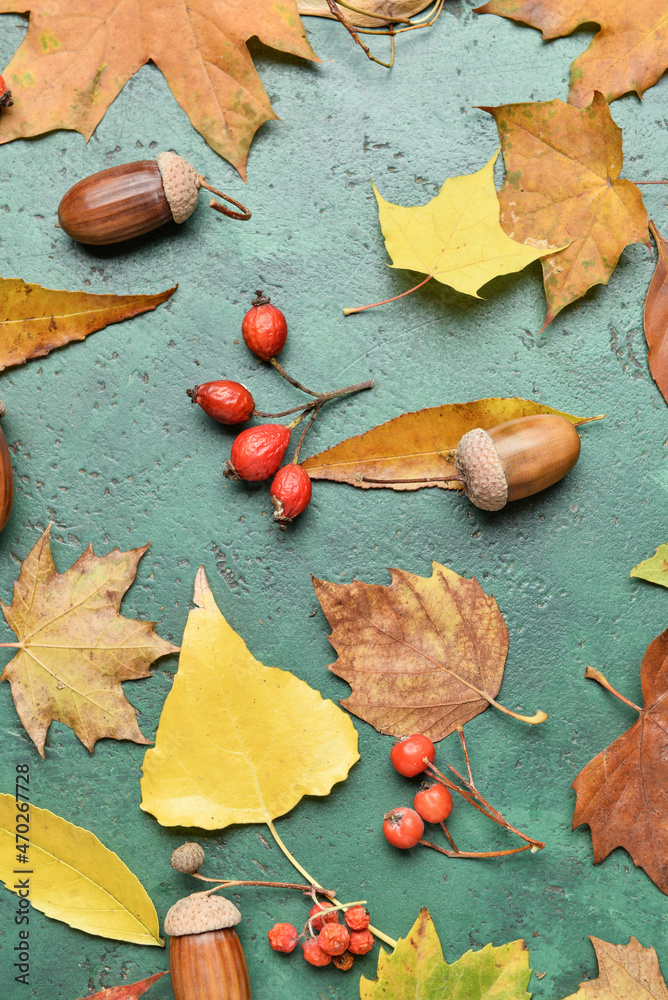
625,972
79,54
655,317
422,656
75,648
623,792
630,52
562,183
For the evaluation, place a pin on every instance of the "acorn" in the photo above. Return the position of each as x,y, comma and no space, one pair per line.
206,959
6,477
123,202
510,461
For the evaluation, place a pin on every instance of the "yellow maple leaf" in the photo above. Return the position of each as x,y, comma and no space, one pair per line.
73,877
239,742
456,237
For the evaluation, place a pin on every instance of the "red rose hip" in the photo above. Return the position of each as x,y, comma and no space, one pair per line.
314,954
361,942
433,803
264,328
290,493
257,452
334,939
227,402
408,755
283,937
403,827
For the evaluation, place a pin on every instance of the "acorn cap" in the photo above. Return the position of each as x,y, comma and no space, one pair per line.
3,409
197,914
187,858
181,183
478,465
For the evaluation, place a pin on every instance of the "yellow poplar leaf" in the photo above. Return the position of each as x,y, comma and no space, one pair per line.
655,569
239,742
416,970
75,647
34,320
457,236
418,445
75,878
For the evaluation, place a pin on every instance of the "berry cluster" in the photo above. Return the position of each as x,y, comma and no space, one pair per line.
404,827
333,942
257,452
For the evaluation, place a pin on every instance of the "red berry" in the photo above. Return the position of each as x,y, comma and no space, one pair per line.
361,942
357,918
283,937
5,95
225,401
290,493
334,938
403,827
408,755
328,918
257,452
264,328
434,803
344,962
314,954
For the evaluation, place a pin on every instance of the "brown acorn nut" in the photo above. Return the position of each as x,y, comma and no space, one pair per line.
6,477
206,959
122,202
515,459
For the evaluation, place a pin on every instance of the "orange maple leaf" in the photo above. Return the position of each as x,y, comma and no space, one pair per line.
75,648
562,183
630,52
79,54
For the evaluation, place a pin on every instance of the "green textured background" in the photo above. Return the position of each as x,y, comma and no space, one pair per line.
105,443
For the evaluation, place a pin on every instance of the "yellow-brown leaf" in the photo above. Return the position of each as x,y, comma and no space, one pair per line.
418,445
34,320
378,10
655,318
75,648
625,972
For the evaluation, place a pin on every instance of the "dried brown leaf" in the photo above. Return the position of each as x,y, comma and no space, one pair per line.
625,972
128,991
656,316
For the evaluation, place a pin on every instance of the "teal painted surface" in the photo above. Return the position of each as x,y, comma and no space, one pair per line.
106,444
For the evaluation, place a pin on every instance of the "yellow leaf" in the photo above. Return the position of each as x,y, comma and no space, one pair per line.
457,236
239,742
655,569
75,878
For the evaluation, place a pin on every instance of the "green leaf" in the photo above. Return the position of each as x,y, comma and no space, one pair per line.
416,970
655,570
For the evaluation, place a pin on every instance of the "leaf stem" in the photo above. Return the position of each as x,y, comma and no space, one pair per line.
293,861
359,309
226,883
475,854
592,674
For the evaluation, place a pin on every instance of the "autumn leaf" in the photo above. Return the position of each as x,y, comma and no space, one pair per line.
239,742
424,655
624,971
75,878
416,970
629,53
623,792
457,237
78,55
128,991
34,320
418,445
562,183
75,648
655,569
656,316
378,11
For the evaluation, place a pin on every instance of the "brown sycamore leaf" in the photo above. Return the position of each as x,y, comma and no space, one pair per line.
623,792
656,316
34,320
128,991
625,972
562,183
629,53
379,11
424,655
418,445
78,55
75,648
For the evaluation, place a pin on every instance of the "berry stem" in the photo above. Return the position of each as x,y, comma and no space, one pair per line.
293,381
591,673
475,854
359,309
302,438
225,883
447,834
302,871
308,926
284,413
244,215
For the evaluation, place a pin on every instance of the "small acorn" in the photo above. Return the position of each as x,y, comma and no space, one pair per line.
188,858
206,959
6,477
123,202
